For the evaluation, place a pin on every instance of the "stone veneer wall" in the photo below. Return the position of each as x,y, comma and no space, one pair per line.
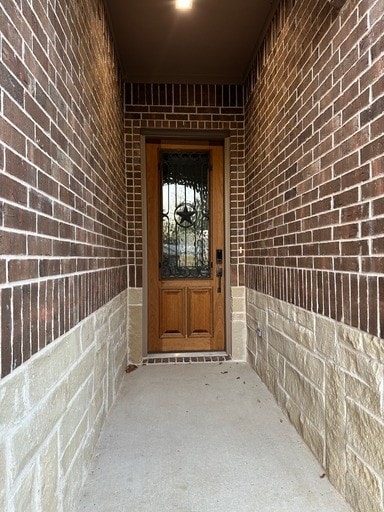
52,410
314,210
328,378
63,275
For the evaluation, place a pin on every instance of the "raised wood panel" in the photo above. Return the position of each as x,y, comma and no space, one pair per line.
200,312
172,313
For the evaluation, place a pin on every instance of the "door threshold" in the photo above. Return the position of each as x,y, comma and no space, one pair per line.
186,358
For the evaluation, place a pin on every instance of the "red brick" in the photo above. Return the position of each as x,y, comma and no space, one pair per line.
20,270
6,331
372,150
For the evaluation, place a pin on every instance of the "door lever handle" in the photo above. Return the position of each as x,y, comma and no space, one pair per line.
219,274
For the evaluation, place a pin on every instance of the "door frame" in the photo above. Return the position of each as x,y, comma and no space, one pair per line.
176,135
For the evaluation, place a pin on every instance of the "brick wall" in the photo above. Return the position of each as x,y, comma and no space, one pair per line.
315,162
183,107
62,180
314,215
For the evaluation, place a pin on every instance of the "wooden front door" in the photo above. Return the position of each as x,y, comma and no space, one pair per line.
185,246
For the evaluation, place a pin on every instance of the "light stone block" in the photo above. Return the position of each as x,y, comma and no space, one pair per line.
261,301
238,317
102,336
101,318
95,431
335,421
90,443
273,358
281,396
238,305
276,321
251,315
49,481
306,319
36,428
135,334
349,336
373,347
74,480
116,319
102,315
312,437
367,478
306,396
111,391
257,317
13,399
293,330
117,380
238,291
3,470
272,380
262,346
261,367
87,332
74,445
360,392
96,405
250,296
45,370
135,296
251,323
25,495
239,335
363,433
282,362
364,368
251,340
80,373
308,364
326,337
75,412
283,309
99,364
120,353
301,335
251,359
358,497
3,500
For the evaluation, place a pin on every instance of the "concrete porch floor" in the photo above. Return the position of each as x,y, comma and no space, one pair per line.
202,438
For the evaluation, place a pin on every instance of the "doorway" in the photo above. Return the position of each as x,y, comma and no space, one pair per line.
185,250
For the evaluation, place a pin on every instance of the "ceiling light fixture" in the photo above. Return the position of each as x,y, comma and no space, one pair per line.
183,4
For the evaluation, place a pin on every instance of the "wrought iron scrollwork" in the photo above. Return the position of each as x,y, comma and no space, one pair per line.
185,214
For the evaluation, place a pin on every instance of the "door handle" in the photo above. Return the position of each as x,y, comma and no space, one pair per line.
219,274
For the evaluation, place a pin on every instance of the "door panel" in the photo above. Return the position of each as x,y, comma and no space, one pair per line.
172,317
185,230
200,302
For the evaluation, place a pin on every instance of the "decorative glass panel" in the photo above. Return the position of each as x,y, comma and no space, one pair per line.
185,214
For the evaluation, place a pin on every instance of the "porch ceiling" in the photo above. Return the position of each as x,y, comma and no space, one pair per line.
212,43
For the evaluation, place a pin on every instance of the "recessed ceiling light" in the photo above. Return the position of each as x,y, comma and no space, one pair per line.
183,4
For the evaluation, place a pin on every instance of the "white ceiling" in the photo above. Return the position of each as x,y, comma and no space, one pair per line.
212,43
